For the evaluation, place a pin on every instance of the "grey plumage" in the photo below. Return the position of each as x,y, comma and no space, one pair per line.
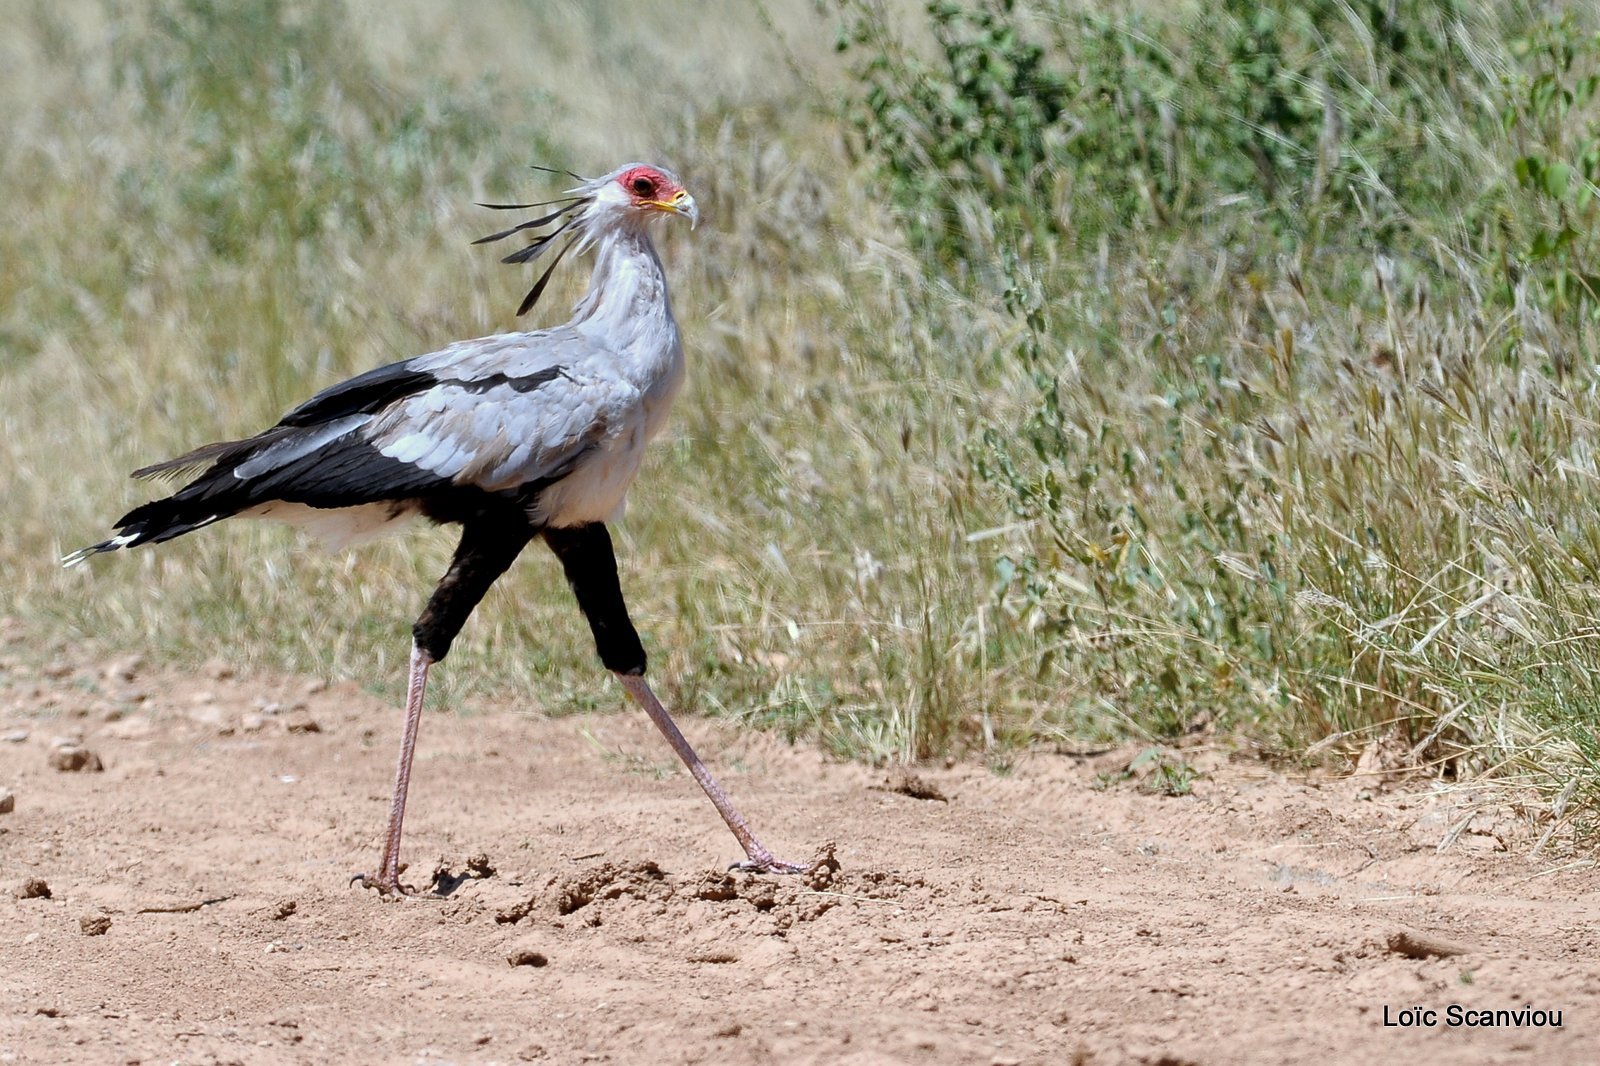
494,415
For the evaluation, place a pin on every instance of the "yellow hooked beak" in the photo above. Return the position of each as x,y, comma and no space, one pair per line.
681,204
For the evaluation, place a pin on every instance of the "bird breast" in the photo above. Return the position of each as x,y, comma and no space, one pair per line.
597,488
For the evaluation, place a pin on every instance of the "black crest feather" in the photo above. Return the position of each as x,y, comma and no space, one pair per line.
567,211
544,279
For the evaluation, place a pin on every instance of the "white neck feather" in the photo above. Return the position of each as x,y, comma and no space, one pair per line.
627,311
627,302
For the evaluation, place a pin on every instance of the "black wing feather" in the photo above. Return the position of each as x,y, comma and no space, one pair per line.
362,394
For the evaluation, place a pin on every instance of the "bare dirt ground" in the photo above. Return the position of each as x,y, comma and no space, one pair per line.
198,908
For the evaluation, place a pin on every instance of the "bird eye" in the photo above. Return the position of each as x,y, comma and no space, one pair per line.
643,186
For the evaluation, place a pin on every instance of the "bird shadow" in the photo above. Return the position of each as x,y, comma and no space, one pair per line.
446,881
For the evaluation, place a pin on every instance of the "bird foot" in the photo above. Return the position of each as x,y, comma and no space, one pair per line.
770,864
819,872
390,887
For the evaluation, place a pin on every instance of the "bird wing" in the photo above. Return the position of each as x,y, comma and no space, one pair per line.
510,418
509,413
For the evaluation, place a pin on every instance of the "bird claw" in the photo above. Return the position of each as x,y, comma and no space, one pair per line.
389,888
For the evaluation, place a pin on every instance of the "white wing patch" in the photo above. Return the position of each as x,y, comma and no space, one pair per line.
409,448
501,437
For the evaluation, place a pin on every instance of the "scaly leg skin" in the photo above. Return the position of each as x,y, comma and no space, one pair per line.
760,859
387,879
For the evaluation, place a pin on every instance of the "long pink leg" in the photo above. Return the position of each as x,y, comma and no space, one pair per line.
760,859
387,879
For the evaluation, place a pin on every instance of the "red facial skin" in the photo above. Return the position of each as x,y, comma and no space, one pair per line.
647,186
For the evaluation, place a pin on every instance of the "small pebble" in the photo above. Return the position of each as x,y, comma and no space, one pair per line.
16,736
125,668
209,716
132,727
8,801
73,759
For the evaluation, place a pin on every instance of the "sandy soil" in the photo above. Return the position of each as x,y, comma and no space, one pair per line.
198,908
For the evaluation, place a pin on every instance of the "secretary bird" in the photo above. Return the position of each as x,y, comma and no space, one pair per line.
512,437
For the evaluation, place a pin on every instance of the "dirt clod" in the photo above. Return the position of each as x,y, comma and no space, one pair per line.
609,880
33,888
903,782
278,910
8,801
715,887
525,955
1414,945
824,867
94,925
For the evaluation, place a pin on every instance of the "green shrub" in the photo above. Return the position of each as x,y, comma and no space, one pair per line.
1299,294
1078,125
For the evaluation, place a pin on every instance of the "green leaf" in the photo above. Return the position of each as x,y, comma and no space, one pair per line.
1556,178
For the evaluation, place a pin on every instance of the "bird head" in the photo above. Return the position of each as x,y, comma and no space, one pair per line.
639,190
631,197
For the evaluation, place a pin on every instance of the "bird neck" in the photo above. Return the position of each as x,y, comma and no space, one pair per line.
627,304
